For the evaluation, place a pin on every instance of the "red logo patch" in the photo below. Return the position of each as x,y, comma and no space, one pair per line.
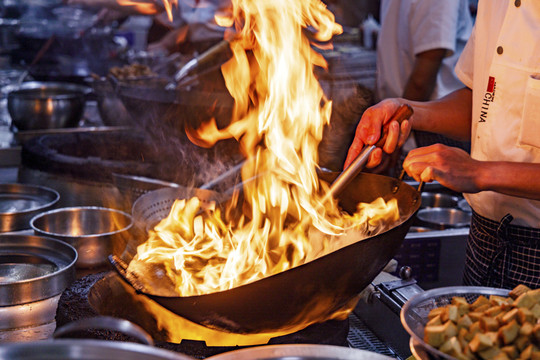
491,84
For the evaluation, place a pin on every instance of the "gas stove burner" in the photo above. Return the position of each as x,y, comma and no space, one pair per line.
105,294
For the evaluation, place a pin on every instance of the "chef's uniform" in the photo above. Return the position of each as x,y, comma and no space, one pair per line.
501,64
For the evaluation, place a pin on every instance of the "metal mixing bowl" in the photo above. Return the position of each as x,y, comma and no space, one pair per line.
46,105
443,218
95,232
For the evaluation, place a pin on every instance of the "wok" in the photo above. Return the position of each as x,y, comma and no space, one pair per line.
312,292
165,113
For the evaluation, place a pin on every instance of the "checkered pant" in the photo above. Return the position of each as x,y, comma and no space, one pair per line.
502,255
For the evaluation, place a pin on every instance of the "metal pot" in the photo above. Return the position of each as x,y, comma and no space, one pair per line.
20,202
34,268
95,232
315,291
438,200
46,105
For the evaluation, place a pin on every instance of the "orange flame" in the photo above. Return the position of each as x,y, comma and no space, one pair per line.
279,115
149,7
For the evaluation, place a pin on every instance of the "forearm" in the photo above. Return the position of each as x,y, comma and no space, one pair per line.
423,78
509,178
449,116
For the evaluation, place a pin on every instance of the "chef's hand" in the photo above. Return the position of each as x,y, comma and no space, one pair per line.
450,166
369,128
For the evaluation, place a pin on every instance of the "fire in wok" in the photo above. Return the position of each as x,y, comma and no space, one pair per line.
291,258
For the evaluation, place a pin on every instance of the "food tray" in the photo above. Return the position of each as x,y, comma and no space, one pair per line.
20,202
414,314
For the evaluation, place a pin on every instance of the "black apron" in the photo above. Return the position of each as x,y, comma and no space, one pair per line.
502,255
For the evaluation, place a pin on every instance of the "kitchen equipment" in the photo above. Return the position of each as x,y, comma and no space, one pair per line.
46,105
95,232
443,218
197,62
438,200
315,290
33,268
414,314
166,113
111,109
153,206
404,112
20,202
299,352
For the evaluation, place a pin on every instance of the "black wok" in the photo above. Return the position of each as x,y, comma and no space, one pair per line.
312,292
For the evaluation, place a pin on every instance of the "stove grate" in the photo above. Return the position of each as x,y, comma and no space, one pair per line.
361,337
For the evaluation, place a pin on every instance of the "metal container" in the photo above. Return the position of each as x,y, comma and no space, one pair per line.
414,314
443,218
95,232
46,105
20,202
33,268
438,200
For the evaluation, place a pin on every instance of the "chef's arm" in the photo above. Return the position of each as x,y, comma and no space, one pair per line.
510,178
423,78
449,116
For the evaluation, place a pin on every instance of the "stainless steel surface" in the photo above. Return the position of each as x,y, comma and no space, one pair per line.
95,232
63,349
20,202
106,323
46,105
414,314
34,250
444,218
25,135
299,352
438,200
25,317
111,109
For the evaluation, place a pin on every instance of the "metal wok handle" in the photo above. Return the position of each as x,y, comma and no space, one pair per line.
106,323
404,112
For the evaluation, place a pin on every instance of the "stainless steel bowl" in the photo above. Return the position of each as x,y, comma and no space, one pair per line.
46,105
19,203
443,218
439,200
95,232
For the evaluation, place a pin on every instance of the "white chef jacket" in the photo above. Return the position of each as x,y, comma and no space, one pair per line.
501,64
410,27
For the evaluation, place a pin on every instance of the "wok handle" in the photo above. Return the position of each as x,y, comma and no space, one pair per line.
404,112
106,323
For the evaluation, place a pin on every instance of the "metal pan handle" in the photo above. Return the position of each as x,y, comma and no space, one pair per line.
106,323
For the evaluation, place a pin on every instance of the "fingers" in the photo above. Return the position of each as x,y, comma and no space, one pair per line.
354,150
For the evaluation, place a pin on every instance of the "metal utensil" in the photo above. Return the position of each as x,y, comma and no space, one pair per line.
404,112
197,62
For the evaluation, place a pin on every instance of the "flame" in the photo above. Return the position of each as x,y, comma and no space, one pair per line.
150,7
278,119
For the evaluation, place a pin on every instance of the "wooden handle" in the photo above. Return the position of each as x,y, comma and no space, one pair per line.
404,112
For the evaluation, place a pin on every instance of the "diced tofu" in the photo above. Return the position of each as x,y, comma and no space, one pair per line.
464,322
536,332
480,342
518,290
481,300
489,323
524,301
527,352
510,315
522,342
451,347
525,315
535,310
526,329
500,356
498,300
473,330
475,315
509,332
435,321
511,351
435,312
493,311
489,353
436,335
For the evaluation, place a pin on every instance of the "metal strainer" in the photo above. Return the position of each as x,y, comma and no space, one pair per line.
153,206
414,314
